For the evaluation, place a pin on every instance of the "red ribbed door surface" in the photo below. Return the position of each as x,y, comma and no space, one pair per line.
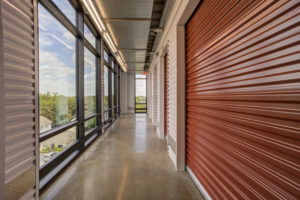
243,98
166,93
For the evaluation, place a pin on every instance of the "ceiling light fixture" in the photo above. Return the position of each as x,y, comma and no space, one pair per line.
122,58
94,14
110,42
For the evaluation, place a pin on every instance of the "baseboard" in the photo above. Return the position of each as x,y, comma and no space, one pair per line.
198,184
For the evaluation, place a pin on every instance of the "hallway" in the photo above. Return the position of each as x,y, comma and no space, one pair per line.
127,162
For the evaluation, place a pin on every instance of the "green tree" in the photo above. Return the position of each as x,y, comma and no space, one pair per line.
137,99
57,108
71,107
48,106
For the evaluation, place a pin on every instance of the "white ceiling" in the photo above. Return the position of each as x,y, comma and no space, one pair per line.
128,21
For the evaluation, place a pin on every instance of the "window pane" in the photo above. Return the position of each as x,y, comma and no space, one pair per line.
113,93
49,148
89,83
106,57
90,124
140,90
67,9
140,96
57,73
89,35
106,71
140,76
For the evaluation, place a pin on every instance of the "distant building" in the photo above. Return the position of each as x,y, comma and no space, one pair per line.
45,124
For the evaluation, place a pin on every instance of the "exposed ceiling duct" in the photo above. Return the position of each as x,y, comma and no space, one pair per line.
155,28
159,19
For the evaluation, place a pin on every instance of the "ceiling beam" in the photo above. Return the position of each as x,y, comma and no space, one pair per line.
126,19
137,63
132,49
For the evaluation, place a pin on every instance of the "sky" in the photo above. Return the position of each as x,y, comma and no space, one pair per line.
57,61
57,55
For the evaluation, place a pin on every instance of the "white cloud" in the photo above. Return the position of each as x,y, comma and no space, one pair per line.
65,87
90,88
74,58
51,64
55,75
55,71
89,59
69,36
51,27
44,40
91,75
62,42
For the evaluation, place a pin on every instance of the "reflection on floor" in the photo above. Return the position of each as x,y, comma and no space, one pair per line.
128,162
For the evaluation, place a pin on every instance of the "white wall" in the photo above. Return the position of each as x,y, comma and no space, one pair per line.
172,42
127,91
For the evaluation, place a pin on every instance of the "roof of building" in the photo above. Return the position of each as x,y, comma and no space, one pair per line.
45,121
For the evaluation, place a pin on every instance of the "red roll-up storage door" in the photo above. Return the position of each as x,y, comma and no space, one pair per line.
243,98
166,93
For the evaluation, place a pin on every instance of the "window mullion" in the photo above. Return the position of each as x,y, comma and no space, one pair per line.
98,84
119,89
110,88
80,79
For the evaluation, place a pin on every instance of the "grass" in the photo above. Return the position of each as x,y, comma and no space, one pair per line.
139,108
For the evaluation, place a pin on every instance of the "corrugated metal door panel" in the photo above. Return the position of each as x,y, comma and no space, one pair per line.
243,98
166,92
19,83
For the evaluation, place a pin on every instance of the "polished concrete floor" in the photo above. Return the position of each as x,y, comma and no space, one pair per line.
128,162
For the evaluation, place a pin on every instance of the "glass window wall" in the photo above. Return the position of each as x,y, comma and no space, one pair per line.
89,36
106,87
57,72
113,93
